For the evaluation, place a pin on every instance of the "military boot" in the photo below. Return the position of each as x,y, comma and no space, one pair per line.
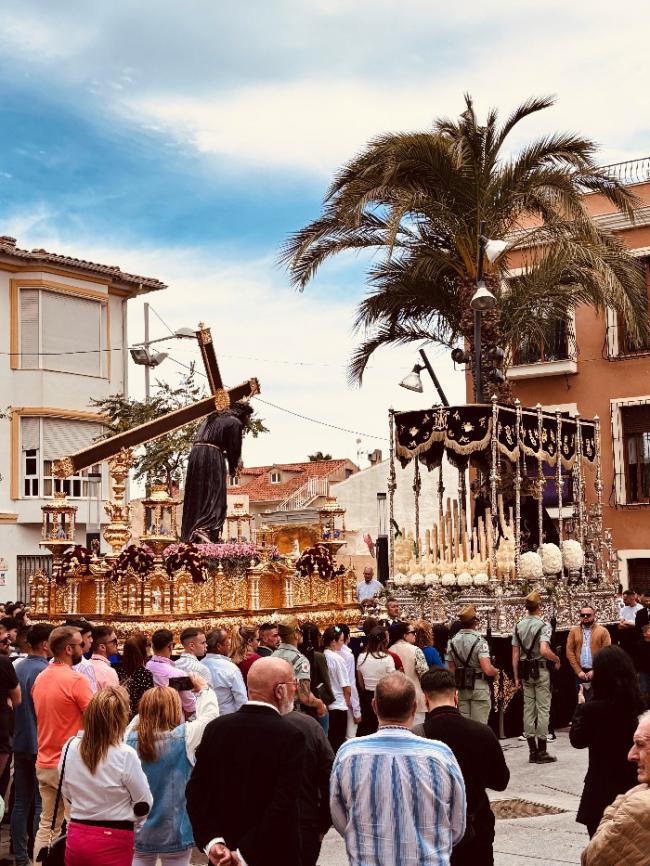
532,745
543,756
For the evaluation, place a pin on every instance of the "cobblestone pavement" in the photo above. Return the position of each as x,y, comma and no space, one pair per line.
547,840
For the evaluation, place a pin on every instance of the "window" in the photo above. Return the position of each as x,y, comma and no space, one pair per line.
44,440
276,477
626,345
555,348
62,332
636,450
638,574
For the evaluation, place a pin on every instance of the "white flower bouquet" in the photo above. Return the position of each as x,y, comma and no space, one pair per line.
572,555
551,558
531,566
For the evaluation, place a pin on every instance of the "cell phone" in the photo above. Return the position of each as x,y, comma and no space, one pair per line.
181,684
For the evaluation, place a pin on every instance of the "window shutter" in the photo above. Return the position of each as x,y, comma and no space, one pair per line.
636,419
62,436
71,334
30,433
29,342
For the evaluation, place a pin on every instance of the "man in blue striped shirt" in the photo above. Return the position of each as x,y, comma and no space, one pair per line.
396,798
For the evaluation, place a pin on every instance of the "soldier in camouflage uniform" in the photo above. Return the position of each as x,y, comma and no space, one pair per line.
532,659
468,656
290,638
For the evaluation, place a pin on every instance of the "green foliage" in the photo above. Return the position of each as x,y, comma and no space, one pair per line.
416,202
318,456
165,457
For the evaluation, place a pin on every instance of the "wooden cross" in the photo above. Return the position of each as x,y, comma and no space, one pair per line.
219,399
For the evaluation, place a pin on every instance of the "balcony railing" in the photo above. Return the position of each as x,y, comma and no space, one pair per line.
630,171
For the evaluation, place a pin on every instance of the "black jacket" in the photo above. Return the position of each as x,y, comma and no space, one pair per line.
237,752
317,766
482,764
607,729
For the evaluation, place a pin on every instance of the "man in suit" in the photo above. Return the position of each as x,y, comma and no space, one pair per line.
238,749
481,761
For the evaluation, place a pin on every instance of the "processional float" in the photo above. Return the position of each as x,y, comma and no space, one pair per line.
493,546
159,582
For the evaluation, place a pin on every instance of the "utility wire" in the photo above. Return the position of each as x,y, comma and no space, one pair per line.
291,412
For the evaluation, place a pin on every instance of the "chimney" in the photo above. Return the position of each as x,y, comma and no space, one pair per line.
375,457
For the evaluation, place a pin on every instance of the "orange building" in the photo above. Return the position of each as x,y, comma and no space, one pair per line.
592,367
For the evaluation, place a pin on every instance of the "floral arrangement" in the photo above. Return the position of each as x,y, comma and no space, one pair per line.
77,557
400,579
551,558
189,557
136,557
464,579
448,579
481,579
416,580
227,551
431,579
531,566
319,557
572,555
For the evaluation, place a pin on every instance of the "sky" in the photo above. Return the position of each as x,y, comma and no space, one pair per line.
187,141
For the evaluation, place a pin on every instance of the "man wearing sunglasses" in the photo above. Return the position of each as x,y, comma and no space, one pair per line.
104,645
583,642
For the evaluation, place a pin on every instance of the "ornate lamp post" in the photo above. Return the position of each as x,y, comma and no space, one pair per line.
159,520
331,517
239,516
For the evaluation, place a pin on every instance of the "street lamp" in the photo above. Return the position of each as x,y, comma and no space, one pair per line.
413,382
482,301
144,358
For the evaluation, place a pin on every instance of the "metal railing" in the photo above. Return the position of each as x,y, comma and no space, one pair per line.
630,171
305,495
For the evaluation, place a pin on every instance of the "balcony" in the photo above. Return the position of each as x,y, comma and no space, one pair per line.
556,356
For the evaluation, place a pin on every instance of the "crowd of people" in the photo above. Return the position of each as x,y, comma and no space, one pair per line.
259,739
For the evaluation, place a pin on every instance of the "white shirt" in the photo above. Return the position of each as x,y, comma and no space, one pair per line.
348,657
109,793
628,612
366,591
189,663
338,679
373,669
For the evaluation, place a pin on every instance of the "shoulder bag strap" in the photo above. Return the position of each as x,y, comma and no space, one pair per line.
464,662
528,650
58,790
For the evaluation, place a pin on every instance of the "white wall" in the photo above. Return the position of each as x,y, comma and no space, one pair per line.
358,495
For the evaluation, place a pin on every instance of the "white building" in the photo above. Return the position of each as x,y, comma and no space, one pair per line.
358,495
64,341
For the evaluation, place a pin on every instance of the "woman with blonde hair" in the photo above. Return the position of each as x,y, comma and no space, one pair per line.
104,783
167,745
244,645
424,640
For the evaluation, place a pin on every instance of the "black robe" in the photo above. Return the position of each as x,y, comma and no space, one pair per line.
204,505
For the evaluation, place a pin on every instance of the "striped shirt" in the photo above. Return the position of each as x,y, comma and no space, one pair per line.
397,799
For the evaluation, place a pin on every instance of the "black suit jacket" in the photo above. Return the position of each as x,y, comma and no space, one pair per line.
237,753
482,764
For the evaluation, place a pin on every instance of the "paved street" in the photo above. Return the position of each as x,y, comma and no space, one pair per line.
546,840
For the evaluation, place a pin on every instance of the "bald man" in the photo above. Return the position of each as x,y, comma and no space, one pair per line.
251,744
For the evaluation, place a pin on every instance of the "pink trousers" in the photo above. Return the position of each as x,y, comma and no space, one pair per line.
98,846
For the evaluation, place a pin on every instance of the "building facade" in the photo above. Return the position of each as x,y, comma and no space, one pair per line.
63,342
591,366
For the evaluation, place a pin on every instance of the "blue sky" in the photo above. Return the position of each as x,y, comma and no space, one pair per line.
185,141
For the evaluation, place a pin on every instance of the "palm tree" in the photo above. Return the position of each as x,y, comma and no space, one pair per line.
418,200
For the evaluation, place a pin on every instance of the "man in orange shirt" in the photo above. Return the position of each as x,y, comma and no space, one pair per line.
104,645
60,696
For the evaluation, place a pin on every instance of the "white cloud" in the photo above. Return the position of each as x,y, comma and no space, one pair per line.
305,340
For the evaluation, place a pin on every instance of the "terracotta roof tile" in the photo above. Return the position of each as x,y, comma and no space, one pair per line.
9,249
261,489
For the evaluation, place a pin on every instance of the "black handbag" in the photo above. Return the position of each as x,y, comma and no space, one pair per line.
54,854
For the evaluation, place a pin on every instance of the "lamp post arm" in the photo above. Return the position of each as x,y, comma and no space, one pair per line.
431,372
